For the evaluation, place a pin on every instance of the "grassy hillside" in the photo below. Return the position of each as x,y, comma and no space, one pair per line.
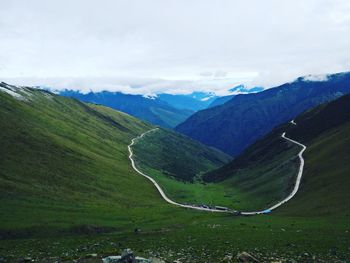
64,162
177,156
326,182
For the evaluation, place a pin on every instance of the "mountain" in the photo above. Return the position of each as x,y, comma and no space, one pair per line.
153,110
240,89
241,121
264,167
195,101
64,165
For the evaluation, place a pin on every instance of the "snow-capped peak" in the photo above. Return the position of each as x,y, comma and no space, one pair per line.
18,92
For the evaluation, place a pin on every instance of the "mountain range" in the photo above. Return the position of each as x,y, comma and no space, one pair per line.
245,118
151,109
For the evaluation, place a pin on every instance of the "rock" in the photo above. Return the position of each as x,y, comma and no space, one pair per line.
25,260
290,245
246,257
227,259
126,257
157,260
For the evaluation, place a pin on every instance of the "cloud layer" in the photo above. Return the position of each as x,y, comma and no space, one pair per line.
176,46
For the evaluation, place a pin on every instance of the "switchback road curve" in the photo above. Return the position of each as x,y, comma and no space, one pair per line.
265,211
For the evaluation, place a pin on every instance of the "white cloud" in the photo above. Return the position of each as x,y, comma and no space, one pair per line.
316,78
176,46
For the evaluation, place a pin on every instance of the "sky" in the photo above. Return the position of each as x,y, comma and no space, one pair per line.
173,46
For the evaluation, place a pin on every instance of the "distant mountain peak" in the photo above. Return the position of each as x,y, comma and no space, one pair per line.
242,89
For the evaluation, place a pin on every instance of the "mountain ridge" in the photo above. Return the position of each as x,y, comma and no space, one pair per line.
152,110
244,119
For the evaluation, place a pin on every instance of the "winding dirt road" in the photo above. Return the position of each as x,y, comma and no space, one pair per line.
265,211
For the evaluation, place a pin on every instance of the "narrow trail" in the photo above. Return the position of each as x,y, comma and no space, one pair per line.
265,211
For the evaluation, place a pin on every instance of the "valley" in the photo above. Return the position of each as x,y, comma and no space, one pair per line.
78,194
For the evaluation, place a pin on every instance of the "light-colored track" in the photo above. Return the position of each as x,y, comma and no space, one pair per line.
268,210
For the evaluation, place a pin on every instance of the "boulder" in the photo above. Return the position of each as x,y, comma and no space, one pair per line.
246,257
126,257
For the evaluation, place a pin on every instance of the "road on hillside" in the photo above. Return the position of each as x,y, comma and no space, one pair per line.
265,211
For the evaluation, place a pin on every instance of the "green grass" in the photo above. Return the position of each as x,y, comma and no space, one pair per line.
67,190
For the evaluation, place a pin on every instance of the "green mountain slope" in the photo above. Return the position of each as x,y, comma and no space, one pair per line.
177,156
262,175
64,164
63,161
264,170
326,182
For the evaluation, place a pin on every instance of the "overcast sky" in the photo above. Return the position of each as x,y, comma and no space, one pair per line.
171,45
